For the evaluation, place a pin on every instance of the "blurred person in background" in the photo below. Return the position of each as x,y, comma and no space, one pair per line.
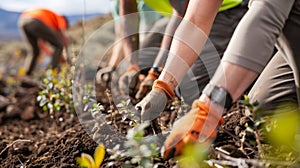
138,37
39,26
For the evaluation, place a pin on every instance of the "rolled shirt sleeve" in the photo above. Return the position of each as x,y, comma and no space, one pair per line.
254,39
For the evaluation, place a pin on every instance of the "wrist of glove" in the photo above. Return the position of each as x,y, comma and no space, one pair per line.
199,122
147,84
159,84
129,80
155,102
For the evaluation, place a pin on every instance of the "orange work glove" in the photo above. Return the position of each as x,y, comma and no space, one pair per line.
155,102
129,81
189,128
146,85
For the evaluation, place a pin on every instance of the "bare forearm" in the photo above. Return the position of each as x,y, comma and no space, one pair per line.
129,29
234,78
117,50
167,39
179,10
189,39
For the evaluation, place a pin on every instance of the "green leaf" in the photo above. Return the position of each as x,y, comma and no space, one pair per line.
193,155
50,106
45,108
45,81
284,125
43,102
39,98
84,100
246,99
57,106
99,155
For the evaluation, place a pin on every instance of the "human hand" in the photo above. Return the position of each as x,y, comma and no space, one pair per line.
198,125
154,103
129,81
146,85
103,75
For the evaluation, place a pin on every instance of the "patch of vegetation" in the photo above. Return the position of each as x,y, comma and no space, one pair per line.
56,93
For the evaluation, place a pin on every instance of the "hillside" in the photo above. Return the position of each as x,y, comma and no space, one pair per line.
9,23
13,51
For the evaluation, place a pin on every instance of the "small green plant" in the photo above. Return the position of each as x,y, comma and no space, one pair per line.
193,156
125,109
282,131
56,92
87,161
142,149
248,104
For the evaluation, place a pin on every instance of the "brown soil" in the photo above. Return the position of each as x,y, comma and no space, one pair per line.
30,137
39,140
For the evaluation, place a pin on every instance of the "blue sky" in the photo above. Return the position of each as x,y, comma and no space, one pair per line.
66,7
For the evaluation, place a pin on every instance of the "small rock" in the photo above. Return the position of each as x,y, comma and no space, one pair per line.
12,111
3,102
28,113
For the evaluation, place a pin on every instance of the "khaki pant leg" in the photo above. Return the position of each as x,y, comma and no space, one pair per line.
279,82
275,85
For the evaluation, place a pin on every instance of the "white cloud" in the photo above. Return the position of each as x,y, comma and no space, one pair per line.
61,6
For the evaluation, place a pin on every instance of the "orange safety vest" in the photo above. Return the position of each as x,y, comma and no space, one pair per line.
48,17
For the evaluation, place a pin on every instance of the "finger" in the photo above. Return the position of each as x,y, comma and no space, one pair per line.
140,107
141,92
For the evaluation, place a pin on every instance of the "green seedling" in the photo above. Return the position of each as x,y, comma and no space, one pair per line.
143,150
249,105
87,161
193,156
282,132
56,92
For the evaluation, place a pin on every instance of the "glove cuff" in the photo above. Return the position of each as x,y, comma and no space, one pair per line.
133,68
205,107
152,75
165,87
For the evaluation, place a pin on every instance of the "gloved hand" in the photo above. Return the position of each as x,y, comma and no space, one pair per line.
147,84
197,123
102,82
129,80
103,75
154,103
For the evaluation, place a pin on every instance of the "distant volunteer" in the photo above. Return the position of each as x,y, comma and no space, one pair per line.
43,24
